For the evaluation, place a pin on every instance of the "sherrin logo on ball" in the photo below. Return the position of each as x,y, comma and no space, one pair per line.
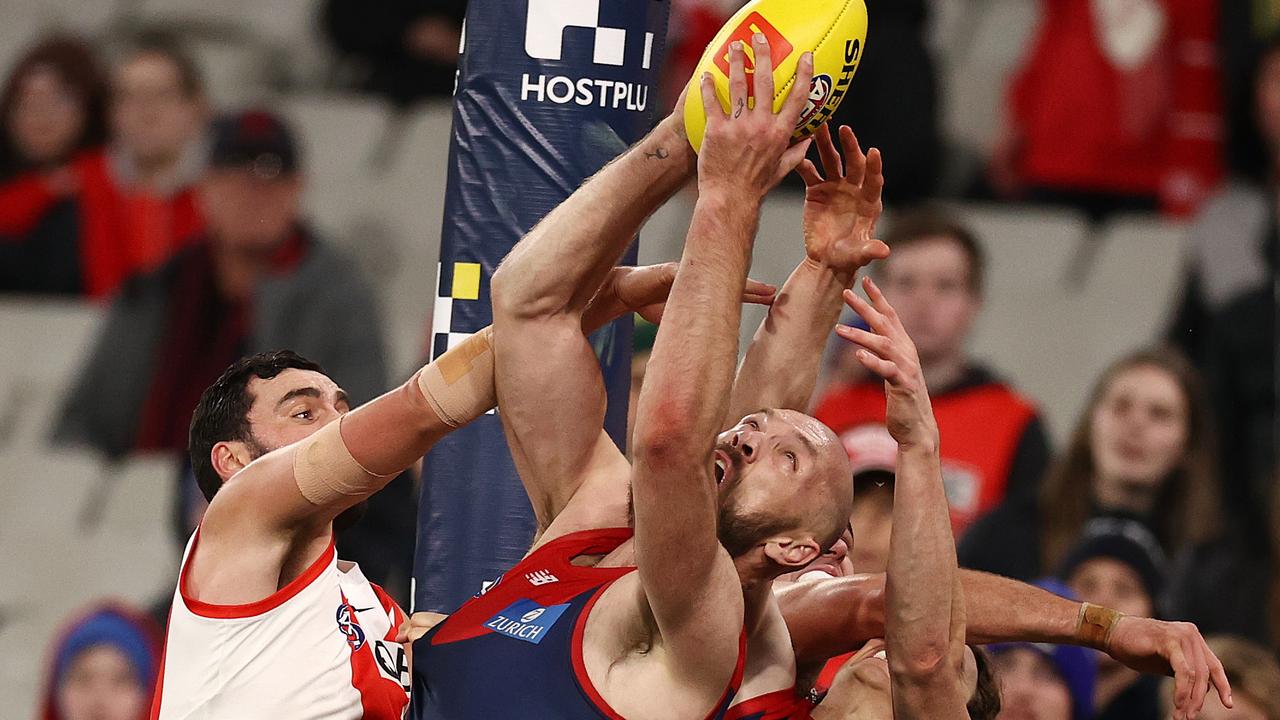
834,30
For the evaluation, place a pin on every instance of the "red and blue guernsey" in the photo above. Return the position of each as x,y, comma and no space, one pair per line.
515,650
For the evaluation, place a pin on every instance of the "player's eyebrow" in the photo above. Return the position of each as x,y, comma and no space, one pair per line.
310,392
771,414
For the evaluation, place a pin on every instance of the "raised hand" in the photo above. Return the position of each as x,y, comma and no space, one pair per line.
841,210
746,150
1172,648
644,290
888,351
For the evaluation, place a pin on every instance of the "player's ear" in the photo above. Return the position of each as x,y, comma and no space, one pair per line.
792,552
230,458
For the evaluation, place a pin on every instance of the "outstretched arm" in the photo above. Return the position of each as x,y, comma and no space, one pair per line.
840,214
688,579
830,617
540,295
925,617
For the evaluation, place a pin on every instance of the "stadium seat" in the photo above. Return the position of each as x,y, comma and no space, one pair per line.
1027,247
52,338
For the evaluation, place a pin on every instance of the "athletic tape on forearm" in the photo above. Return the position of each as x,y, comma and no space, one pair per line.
1095,625
327,473
459,384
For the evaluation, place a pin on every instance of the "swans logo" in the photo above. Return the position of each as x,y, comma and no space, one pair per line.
547,23
349,625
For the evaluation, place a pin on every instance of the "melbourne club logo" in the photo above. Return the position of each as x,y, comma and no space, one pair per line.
349,626
547,24
541,577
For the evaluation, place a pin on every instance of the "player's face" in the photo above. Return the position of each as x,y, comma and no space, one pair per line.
100,684
928,284
1139,427
1030,687
776,465
292,405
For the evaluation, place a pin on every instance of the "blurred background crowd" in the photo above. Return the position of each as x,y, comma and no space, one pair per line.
1081,201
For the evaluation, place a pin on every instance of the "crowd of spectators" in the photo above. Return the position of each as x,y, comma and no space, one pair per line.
120,183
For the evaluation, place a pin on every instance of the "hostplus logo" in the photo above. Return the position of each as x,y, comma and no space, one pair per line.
546,26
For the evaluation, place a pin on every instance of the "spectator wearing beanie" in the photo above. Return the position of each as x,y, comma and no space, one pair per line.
1042,681
103,667
1118,563
993,442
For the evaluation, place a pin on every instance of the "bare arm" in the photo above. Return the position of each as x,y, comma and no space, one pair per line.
924,618
688,579
540,295
840,214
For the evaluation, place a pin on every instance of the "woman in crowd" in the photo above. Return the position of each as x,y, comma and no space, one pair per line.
1144,447
103,667
53,112
122,210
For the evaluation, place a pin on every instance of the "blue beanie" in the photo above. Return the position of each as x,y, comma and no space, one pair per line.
111,628
1077,666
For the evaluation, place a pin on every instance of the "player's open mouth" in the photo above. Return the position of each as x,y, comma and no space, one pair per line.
722,466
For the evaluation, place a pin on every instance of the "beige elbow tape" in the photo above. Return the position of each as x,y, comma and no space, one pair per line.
459,384
325,470
1095,625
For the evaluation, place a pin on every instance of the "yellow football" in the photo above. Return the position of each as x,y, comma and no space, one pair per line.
834,30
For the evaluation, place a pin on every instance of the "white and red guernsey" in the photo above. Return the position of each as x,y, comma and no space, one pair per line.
323,646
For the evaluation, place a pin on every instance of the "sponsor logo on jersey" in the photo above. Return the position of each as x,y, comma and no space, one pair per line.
349,625
526,620
541,577
487,585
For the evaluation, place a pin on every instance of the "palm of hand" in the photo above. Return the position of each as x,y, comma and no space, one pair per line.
839,225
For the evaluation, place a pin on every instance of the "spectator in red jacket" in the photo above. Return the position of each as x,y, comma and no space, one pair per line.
993,442
52,109
135,204
1117,108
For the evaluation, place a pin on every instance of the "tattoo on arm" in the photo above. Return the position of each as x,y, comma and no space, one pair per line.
658,154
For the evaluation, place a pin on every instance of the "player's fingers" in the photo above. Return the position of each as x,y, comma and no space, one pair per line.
710,102
799,93
1219,676
792,157
878,300
878,344
873,178
1200,676
737,79
877,250
1181,683
763,71
758,292
875,320
831,165
885,369
809,173
855,162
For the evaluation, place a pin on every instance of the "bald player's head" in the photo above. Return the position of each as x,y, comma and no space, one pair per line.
784,488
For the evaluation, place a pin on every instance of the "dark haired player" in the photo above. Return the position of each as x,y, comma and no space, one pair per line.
266,622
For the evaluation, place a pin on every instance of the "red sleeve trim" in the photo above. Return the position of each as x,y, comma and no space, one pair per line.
253,609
